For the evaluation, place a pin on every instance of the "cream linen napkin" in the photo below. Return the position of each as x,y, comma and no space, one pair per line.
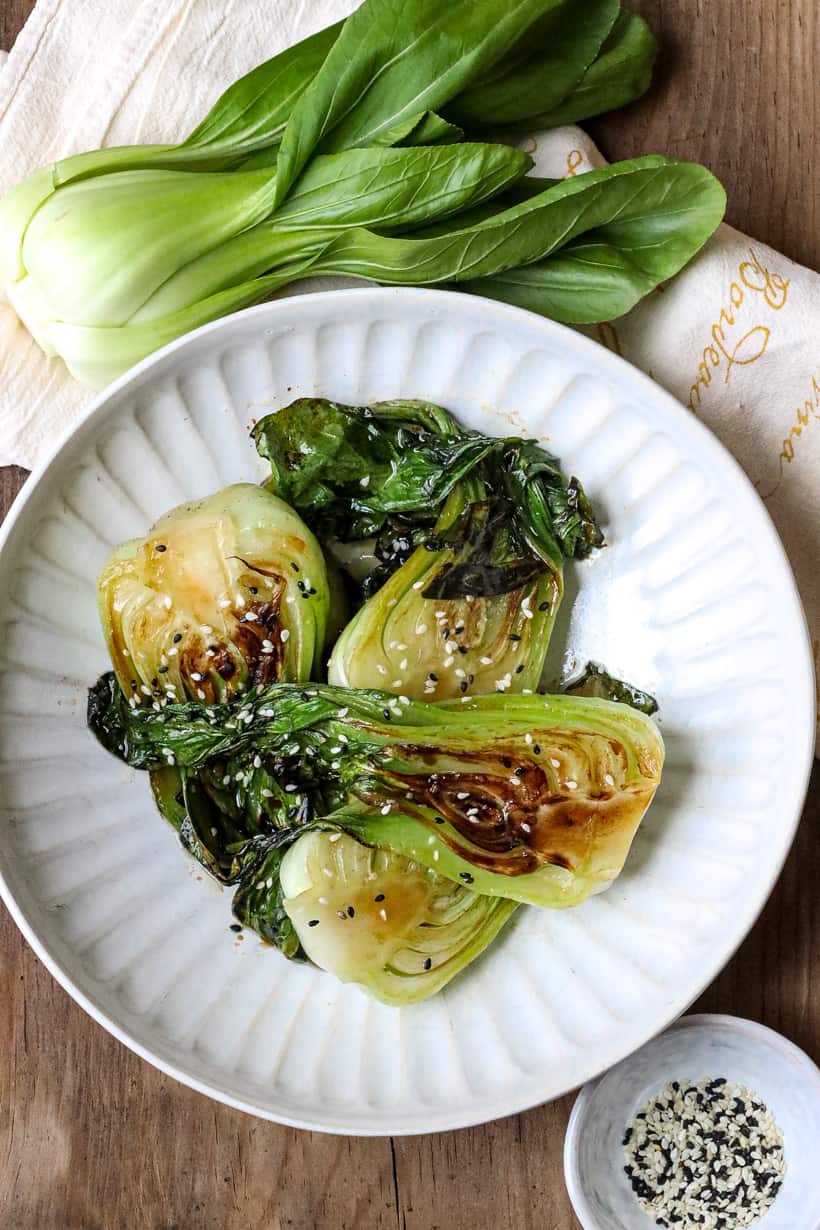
735,337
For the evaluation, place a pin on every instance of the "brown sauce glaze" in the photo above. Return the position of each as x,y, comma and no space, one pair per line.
516,822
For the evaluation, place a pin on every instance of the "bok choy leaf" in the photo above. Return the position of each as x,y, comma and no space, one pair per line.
390,63
533,798
561,49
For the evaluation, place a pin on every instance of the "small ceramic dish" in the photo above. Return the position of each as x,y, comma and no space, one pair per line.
693,1048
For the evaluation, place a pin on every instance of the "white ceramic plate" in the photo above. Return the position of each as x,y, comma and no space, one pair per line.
693,600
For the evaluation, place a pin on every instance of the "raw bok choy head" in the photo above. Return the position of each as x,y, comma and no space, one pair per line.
221,594
534,798
108,268
464,537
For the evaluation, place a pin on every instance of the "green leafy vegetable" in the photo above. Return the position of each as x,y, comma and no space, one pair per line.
258,901
533,798
596,681
252,113
354,471
621,73
665,216
562,48
390,63
222,593
380,188
469,537
381,920
644,218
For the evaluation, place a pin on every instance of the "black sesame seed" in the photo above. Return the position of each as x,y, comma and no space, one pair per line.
386,714
177,637
295,567
519,668
154,682
163,670
235,927
536,749
351,913
439,820
300,585
514,636
161,547
466,877
463,685
253,590
543,606
379,897
433,677
507,763
520,771
313,922
428,964
462,649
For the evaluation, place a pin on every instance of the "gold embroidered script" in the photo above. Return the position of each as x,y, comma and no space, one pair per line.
740,335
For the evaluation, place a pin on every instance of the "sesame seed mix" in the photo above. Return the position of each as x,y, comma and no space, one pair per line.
704,1155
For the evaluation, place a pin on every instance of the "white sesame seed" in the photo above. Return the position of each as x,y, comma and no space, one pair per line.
525,828
485,661
403,664
528,737
383,915
418,585
421,629
284,635
571,785
392,601
205,629
449,661
224,602
257,762
195,675
365,482
556,764
266,794
381,669
386,809
167,602
609,779
435,856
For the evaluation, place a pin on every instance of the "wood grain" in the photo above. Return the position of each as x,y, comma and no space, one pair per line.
92,1138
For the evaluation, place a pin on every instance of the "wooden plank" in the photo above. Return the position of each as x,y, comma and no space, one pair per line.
94,1139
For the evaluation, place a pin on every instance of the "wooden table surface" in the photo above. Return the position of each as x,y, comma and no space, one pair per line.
95,1139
